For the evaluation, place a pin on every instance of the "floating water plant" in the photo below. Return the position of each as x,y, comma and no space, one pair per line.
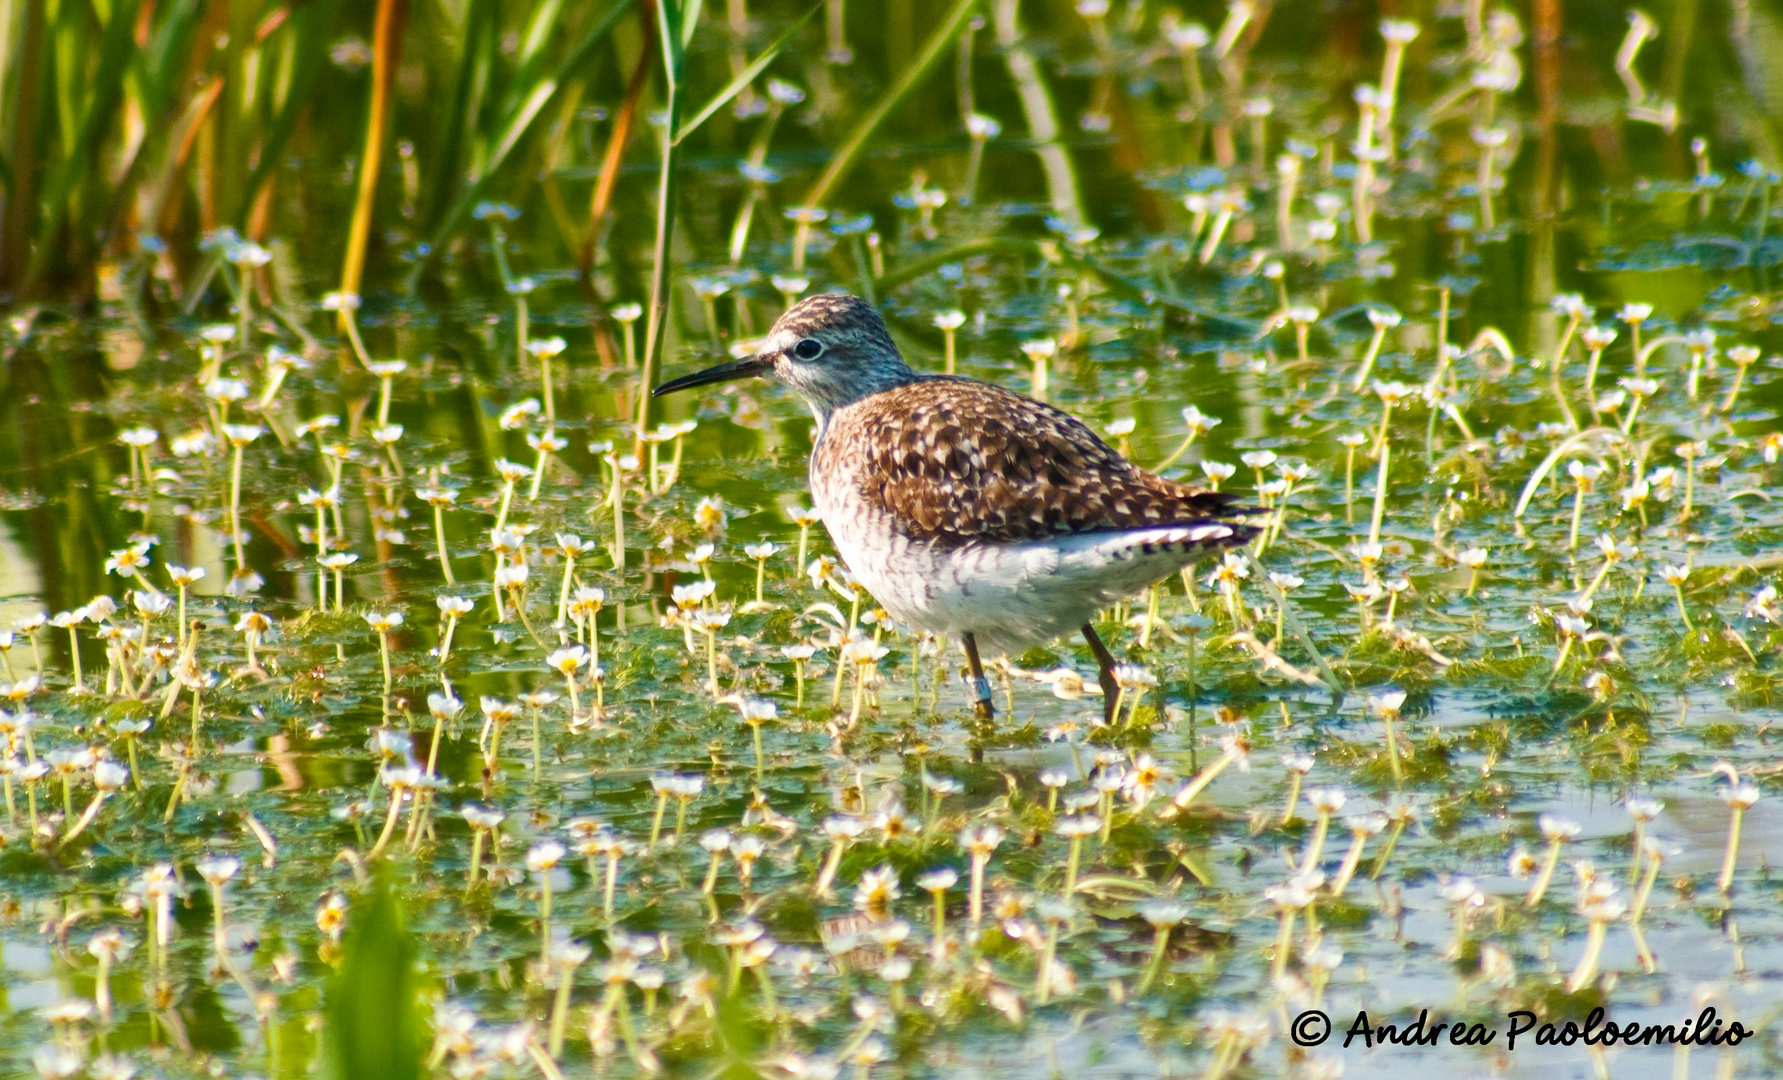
1739,797
200,452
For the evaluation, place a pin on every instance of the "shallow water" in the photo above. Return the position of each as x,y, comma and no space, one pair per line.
1496,733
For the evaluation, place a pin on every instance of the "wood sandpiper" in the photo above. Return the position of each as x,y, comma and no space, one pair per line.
969,510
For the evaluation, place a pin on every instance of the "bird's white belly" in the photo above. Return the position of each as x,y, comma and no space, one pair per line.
1009,596
998,594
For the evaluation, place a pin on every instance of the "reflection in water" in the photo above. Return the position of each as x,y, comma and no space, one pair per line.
1042,119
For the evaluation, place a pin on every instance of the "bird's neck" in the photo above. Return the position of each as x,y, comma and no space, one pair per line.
826,396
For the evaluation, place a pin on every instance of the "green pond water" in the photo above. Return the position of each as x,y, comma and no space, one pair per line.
695,916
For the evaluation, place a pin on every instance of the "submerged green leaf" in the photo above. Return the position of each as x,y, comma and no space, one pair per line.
373,1005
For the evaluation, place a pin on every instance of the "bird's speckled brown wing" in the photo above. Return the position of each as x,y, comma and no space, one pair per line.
956,460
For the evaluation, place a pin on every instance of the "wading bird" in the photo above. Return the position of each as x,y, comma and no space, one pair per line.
969,510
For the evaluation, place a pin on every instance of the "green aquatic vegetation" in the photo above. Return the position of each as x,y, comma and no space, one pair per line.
1362,764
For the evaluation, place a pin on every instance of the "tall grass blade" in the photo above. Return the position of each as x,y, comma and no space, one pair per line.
690,21
539,30
520,121
21,149
1761,70
95,113
478,33
386,45
163,201
312,26
747,75
166,63
617,140
674,56
932,52
374,1029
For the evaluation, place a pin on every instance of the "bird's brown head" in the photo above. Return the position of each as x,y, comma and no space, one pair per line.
832,348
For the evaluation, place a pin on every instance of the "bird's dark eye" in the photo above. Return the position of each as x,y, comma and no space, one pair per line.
808,349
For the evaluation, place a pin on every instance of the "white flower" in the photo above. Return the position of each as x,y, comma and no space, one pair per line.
109,776
757,710
981,840
878,888
1642,808
1738,796
567,660
1162,914
383,621
1189,36
1463,892
1571,305
939,879
1399,31
1392,392
1555,827
1763,605
512,471
1387,704
216,869
55,1062
1077,827
544,855
1199,422
783,92
480,817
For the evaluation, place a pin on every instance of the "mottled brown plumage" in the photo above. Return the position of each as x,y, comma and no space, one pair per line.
956,460
966,509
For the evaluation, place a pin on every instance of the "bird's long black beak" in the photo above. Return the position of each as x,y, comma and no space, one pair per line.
736,369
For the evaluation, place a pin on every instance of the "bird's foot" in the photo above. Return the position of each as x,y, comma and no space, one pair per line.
981,687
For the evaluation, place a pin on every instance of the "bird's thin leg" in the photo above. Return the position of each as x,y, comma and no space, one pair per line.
981,686
1111,690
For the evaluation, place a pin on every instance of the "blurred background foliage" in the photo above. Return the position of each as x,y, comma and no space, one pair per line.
133,129
144,126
